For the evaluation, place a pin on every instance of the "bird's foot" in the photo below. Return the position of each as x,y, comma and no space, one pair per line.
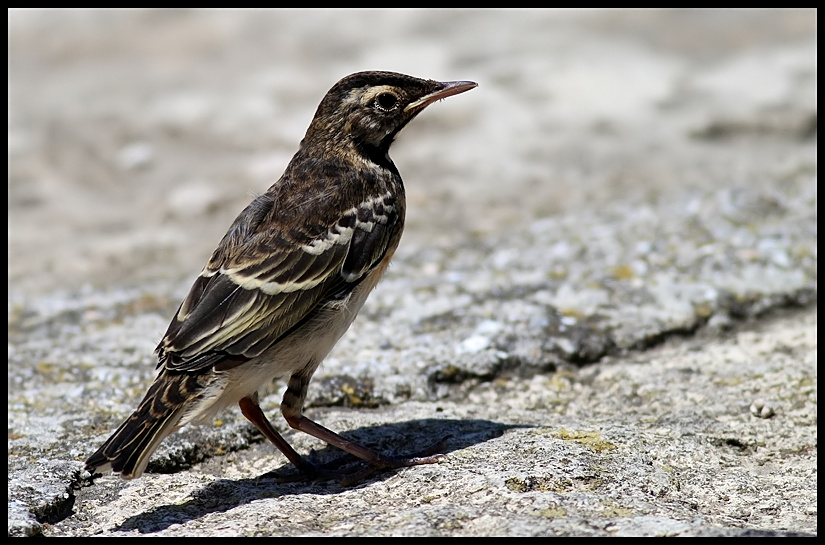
349,472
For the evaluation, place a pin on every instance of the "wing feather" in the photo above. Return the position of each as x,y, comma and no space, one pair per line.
270,272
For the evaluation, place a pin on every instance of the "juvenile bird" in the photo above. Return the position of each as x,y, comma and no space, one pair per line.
287,279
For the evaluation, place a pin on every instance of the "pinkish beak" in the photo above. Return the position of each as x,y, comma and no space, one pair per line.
449,89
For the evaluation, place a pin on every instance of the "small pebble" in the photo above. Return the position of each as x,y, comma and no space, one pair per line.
760,409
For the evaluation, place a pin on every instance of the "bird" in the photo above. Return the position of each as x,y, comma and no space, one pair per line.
287,280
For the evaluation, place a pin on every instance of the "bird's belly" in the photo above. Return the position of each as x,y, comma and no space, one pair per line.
302,350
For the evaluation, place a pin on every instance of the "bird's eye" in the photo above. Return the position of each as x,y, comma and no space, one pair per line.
386,101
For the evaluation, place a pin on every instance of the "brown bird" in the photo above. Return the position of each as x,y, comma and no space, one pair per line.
287,279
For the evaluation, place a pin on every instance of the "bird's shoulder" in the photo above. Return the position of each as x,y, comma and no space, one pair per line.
309,210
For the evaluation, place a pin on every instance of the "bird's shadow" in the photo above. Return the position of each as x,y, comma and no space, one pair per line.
213,497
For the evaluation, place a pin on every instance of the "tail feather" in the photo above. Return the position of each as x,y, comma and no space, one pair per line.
128,450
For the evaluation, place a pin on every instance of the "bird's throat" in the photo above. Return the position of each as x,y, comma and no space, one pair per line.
378,155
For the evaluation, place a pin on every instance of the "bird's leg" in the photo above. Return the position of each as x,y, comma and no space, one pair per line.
252,411
291,408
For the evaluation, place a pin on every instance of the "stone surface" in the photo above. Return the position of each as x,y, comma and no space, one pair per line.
605,297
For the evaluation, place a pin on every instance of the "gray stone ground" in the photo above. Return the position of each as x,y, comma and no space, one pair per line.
605,297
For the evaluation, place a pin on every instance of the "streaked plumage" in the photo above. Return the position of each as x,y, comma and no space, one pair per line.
288,277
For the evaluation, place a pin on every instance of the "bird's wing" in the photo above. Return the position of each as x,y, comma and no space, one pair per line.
271,272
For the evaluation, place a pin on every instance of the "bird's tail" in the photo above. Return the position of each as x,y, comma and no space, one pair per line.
160,413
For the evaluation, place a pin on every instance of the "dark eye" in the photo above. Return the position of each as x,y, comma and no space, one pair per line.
386,101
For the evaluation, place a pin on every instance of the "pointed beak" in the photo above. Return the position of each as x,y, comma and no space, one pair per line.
448,89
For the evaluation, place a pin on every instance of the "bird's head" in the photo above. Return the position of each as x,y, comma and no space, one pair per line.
369,108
